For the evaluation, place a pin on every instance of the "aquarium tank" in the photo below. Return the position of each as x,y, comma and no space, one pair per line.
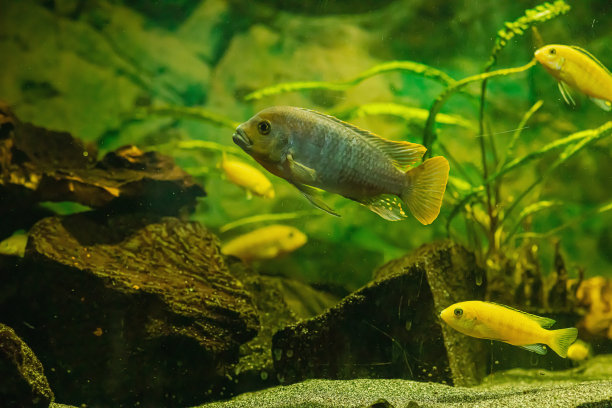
320,203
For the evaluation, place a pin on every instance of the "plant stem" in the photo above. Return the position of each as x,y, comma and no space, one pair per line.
429,135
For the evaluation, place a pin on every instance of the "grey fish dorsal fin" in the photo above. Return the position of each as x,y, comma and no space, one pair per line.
591,56
402,154
544,322
536,348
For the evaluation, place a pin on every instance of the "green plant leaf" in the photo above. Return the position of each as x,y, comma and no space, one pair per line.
197,113
539,14
391,66
409,114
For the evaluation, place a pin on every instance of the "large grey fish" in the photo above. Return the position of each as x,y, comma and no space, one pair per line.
310,149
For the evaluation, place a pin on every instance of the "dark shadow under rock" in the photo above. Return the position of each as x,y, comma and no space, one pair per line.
23,383
38,165
280,302
130,308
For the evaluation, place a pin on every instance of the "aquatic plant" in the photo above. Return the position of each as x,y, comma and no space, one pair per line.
407,113
197,113
491,223
391,66
538,14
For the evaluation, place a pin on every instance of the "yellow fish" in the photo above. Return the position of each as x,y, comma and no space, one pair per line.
576,68
314,151
502,323
579,351
265,243
247,177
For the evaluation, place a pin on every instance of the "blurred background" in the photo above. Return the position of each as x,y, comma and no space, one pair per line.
93,67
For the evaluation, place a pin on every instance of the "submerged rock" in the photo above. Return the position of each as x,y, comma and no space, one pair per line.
130,308
454,276
23,382
390,327
38,165
280,302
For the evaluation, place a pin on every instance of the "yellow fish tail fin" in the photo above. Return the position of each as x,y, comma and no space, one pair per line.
562,339
425,189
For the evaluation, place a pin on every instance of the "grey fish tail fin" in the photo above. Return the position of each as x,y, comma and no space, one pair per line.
425,188
561,340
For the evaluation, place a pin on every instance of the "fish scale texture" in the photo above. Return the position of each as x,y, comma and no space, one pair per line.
353,162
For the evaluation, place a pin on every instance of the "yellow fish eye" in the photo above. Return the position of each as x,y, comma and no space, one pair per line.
552,51
264,127
458,312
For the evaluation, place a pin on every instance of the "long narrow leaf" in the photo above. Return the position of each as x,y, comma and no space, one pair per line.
572,139
197,113
406,113
391,66
599,210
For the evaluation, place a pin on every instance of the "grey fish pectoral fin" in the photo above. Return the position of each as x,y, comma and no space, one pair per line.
312,195
302,173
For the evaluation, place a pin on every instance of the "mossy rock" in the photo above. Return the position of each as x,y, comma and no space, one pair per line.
23,384
129,308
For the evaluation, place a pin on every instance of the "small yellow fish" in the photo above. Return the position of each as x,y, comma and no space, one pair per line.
314,151
247,177
502,323
576,68
579,351
15,245
265,243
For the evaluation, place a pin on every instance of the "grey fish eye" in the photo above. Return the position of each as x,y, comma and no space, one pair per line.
458,312
264,127
553,51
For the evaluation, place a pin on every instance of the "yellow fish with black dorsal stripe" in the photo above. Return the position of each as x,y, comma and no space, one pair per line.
491,321
576,68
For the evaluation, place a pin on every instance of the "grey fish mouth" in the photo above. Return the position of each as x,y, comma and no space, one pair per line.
241,139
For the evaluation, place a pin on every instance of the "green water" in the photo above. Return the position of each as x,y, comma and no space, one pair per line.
529,179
